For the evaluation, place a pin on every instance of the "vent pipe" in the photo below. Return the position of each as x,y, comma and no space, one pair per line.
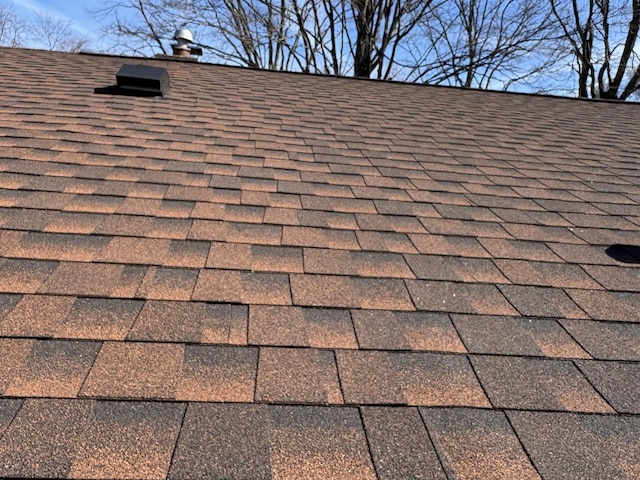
184,46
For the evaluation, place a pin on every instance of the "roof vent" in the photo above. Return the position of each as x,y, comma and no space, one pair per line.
184,46
143,80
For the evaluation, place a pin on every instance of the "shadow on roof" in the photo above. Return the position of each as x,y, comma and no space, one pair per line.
624,253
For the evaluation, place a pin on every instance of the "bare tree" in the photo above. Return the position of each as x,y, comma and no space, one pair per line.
53,33
13,28
601,38
359,37
485,43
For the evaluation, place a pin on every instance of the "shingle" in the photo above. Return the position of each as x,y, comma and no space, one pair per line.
606,340
236,232
448,245
541,302
217,374
319,237
537,384
607,305
168,283
7,302
515,249
24,276
474,270
135,370
43,437
302,327
467,228
53,368
583,254
458,297
144,251
259,441
477,444
615,278
194,322
375,377
546,274
617,382
51,246
518,336
389,330
127,440
399,443
14,352
363,264
589,446
93,279
318,442
36,316
8,410
98,319
296,375
349,292
261,258
242,287
385,242
542,233
223,441
411,209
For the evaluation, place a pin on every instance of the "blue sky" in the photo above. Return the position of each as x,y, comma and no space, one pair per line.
76,10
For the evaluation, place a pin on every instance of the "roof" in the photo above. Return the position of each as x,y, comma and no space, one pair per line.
272,275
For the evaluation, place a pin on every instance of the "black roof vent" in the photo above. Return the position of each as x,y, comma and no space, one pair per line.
143,80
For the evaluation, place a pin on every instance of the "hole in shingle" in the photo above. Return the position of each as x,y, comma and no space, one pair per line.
624,253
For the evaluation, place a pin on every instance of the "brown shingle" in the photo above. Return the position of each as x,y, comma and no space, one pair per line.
36,316
194,322
606,340
385,242
594,446
362,264
242,287
260,258
98,319
607,305
518,336
400,445
473,270
319,237
537,384
135,370
88,439
24,276
217,374
477,444
236,232
408,379
302,327
542,302
53,368
617,382
92,279
168,284
389,330
349,292
458,297
296,375
448,245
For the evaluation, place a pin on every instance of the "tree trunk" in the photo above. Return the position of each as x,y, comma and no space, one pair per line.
363,62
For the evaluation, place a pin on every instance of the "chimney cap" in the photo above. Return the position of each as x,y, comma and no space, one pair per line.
183,34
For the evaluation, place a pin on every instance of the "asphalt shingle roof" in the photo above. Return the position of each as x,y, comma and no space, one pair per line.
270,275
